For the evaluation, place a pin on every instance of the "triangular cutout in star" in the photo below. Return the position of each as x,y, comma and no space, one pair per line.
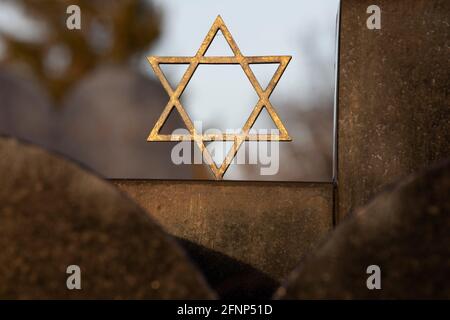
264,73
219,151
218,28
219,46
264,122
173,73
173,122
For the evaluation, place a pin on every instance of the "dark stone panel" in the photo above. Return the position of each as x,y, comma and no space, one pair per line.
54,214
394,107
265,228
404,231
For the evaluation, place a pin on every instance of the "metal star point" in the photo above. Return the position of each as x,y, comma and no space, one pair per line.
244,62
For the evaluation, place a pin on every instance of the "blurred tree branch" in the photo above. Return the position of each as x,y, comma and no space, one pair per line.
127,27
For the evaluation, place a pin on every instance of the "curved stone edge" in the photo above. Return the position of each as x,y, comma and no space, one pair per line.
31,147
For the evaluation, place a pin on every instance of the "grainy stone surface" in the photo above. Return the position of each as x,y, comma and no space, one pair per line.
53,214
266,226
404,230
394,105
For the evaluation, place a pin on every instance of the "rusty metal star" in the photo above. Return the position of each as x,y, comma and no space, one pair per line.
244,62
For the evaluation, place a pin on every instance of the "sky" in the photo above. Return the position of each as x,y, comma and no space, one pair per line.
221,97
303,29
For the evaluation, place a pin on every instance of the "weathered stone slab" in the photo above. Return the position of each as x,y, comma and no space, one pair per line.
53,214
394,114
404,231
266,226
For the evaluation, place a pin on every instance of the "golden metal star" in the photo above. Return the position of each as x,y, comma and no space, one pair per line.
193,63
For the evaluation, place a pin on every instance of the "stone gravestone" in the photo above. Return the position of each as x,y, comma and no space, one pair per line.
404,231
25,110
394,114
104,122
54,215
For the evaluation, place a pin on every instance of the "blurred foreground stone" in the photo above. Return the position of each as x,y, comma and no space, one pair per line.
53,214
394,107
405,231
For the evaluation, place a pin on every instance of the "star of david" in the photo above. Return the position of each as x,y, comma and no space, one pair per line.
244,134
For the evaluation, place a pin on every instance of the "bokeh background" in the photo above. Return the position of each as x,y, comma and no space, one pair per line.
90,94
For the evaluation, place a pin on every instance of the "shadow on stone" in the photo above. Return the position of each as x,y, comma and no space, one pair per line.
230,278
